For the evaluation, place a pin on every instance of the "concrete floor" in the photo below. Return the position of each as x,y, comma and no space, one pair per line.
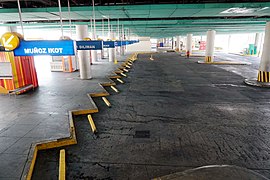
172,115
43,114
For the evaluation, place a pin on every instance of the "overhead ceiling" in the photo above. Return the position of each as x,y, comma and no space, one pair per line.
54,3
155,20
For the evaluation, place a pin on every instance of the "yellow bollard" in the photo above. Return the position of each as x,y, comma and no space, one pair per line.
115,61
62,165
106,101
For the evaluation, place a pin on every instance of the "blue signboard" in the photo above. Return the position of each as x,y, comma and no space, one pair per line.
89,45
123,43
108,44
118,43
44,47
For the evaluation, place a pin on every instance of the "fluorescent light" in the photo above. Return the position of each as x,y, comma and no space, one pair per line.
242,10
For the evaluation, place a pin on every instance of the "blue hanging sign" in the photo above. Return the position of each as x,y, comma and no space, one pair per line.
45,47
118,43
108,44
89,45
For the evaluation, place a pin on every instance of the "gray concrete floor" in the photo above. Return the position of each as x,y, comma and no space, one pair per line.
172,115
43,114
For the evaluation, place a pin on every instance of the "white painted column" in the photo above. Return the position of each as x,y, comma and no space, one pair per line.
102,53
177,46
189,43
93,52
210,45
229,43
111,50
264,68
84,59
258,38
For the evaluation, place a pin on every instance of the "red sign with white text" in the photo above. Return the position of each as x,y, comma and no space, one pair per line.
202,45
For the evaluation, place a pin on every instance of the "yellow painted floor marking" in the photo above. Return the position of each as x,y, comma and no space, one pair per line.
106,101
92,124
62,165
114,88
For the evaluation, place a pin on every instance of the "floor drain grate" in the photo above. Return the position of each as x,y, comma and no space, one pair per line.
142,134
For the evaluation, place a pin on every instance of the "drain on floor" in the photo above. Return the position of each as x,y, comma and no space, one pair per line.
142,134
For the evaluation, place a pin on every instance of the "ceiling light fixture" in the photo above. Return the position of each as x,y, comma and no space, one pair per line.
242,10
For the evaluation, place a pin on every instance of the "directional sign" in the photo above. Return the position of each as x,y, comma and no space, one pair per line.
108,44
89,45
50,47
10,40
118,43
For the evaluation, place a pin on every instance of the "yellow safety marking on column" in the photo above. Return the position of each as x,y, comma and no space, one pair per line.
125,70
266,77
62,165
92,124
263,76
260,76
106,101
123,74
114,88
119,80
262,79
208,59
115,61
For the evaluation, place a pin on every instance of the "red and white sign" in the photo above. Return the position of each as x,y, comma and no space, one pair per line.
202,45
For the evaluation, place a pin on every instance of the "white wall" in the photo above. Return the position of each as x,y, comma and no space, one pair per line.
143,46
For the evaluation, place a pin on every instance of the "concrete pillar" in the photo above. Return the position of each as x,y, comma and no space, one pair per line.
177,45
257,43
93,52
122,50
172,43
229,42
111,50
189,43
264,68
210,44
102,54
84,60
